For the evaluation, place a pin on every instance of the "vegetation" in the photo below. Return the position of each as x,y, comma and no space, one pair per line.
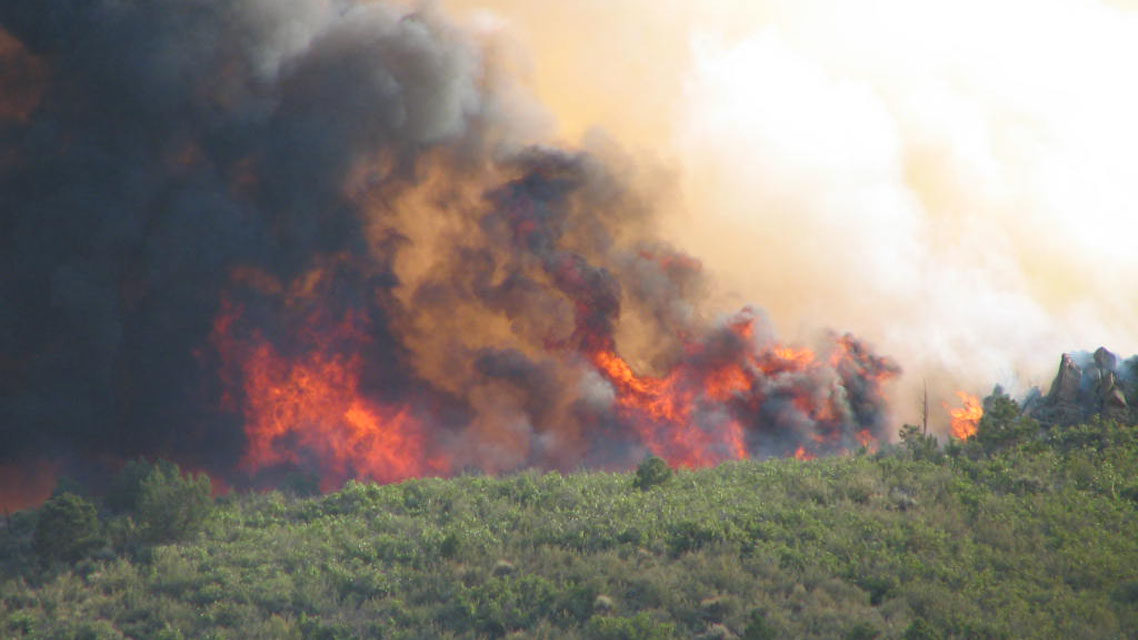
66,529
1021,532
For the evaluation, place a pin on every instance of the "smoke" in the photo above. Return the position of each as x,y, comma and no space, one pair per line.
952,181
259,236
173,143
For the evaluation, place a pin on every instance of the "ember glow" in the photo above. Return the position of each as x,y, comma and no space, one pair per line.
966,418
25,485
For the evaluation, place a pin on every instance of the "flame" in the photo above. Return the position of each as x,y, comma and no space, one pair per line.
662,410
966,419
310,409
866,439
670,412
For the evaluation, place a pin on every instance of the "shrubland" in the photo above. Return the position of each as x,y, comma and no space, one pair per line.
1023,531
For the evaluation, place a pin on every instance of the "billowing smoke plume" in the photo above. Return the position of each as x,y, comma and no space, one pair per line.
259,235
951,180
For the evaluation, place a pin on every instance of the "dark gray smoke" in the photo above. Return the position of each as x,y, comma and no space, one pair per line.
173,141
253,233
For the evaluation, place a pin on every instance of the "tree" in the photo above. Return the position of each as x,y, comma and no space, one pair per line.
67,529
173,505
920,445
1002,425
126,487
920,629
651,472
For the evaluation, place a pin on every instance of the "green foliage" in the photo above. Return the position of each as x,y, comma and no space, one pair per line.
1002,426
1032,539
126,487
758,628
638,627
654,471
862,631
67,529
920,446
67,484
919,629
172,505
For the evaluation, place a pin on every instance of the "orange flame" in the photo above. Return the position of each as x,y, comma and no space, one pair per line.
966,419
662,410
666,410
866,439
310,408
802,454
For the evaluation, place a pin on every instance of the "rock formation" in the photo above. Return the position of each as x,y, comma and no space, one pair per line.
1086,385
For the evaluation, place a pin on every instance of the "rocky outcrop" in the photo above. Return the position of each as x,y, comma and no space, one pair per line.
1086,385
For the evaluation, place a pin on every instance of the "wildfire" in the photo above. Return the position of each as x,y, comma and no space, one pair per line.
802,454
672,413
966,419
309,410
662,410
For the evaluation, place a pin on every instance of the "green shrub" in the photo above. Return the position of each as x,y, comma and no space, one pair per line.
172,506
758,628
638,627
126,486
67,529
920,629
97,630
652,472
1002,426
862,631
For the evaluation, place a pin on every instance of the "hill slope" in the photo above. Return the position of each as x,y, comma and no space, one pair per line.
1036,540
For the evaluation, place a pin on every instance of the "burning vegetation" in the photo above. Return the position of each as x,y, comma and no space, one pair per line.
254,238
966,418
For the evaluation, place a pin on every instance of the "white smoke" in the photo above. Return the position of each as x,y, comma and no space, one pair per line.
953,181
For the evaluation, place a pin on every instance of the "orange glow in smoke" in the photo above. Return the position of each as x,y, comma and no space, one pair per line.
966,419
23,77
23,486
866,439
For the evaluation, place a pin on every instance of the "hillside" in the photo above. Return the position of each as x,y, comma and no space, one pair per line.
1031,537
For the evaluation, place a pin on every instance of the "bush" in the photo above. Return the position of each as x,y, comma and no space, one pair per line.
862,631
638,627
67,529
919,629
126,487
1002,426
758,628
919,445
652,472
172,506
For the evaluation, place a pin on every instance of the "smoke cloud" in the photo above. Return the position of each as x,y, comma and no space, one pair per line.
952,181
338,237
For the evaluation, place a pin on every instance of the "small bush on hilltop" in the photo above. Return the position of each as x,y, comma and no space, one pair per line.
173,505
652,472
